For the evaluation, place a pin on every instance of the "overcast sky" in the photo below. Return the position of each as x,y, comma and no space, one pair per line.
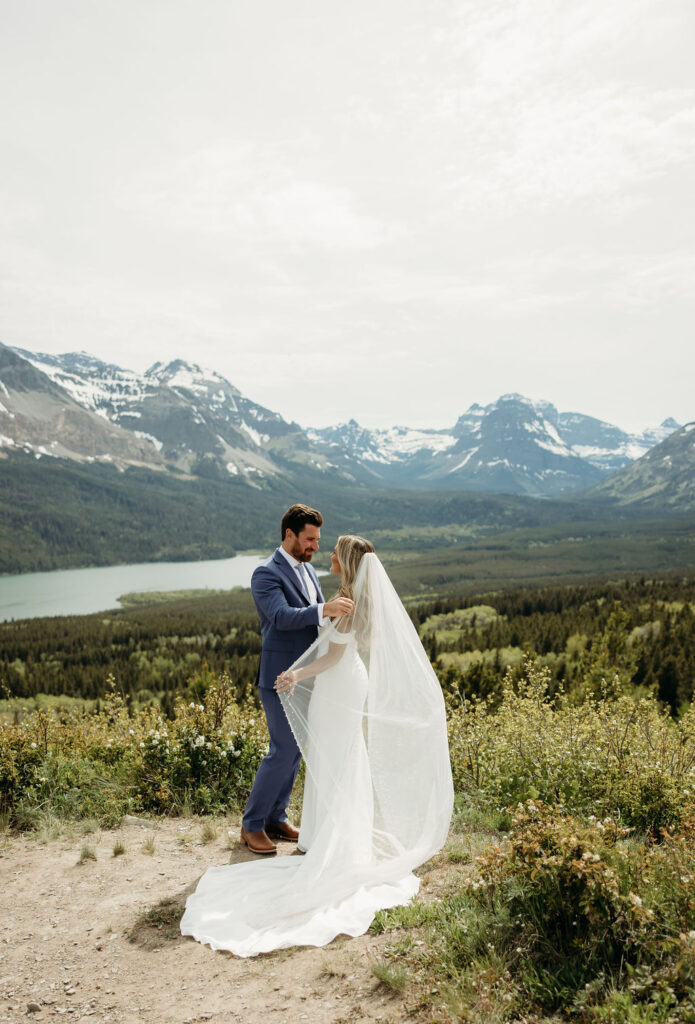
380,209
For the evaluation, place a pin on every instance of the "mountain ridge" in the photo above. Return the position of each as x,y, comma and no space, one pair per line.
190,420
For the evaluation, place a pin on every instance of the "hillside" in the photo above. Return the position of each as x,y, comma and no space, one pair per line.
56,513
662,479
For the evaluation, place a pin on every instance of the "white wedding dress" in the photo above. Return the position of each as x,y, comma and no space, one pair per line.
378,795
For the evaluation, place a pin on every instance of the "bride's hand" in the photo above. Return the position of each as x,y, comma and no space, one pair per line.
286,682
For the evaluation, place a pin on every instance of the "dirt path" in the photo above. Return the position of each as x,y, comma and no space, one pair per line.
65,945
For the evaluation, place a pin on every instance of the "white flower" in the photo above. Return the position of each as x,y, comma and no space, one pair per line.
131,732
33,746
142,744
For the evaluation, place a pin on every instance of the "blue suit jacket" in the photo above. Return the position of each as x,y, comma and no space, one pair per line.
288,622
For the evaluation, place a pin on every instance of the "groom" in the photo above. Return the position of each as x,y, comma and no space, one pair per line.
291,607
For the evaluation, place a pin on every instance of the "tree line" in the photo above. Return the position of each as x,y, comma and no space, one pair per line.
644,630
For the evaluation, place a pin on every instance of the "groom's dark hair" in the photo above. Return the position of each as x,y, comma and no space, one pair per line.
297,516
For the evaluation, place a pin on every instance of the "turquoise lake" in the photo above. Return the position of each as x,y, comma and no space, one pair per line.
83,591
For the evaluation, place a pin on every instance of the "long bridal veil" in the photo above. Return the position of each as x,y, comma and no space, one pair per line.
368,715
402,722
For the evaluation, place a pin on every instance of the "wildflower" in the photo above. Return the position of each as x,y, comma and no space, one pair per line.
33,746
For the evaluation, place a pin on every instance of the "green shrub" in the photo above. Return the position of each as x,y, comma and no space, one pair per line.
577,919
206,759
100,765
611,756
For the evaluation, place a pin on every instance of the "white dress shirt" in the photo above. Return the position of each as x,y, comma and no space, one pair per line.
306,584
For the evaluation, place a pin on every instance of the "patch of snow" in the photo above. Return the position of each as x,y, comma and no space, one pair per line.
588,451
404,441
257,438
468,456
4,389
554,434
149,437
232,469
551,446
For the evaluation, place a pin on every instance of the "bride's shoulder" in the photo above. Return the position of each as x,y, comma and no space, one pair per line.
342,629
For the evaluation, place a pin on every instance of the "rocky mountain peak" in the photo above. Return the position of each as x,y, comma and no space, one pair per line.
189,377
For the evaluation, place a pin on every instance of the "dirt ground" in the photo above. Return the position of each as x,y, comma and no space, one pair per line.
74,943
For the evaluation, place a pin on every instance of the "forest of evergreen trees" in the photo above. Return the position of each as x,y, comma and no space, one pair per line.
643,629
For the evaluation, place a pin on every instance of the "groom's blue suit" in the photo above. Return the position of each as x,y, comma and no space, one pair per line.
289,625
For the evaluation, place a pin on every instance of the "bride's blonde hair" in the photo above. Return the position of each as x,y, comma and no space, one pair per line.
350,551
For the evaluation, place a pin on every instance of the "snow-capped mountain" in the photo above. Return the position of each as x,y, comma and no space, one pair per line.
193,418
40,417
181,417
513,445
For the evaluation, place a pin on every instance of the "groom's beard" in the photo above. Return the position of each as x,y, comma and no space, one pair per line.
301,555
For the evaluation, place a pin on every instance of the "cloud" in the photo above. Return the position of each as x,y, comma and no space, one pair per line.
547,106
252,194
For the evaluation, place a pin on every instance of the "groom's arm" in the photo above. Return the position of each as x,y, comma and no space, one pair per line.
270,597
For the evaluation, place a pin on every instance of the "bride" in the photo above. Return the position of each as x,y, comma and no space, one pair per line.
368,715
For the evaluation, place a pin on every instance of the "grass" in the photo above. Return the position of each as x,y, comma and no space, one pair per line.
157,925
393,977
118,848
148,846
208,833
139,598
87,853
458,852
329,970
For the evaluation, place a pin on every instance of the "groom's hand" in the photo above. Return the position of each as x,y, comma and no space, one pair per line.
337,607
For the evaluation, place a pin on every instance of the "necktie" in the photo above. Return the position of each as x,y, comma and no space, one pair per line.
303,582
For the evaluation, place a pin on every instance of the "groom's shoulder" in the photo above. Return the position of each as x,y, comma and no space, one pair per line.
270,564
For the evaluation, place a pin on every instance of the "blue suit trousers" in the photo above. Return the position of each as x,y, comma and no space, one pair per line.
272,787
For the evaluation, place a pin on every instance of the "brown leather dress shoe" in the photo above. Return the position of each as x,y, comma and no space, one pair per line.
258,842
283,830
